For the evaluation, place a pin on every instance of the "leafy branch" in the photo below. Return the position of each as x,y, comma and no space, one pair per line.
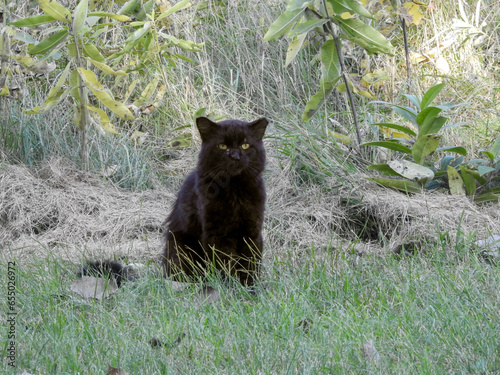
333,20
77,43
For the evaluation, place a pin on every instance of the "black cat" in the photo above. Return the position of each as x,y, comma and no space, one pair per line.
216,221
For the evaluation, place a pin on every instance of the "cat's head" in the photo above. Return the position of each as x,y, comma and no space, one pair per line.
232,146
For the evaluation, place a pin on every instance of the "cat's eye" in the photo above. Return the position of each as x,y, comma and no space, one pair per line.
245,146
222,146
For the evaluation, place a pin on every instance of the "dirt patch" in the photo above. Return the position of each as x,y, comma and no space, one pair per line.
58,210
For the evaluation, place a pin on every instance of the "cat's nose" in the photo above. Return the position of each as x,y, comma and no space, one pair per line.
234,154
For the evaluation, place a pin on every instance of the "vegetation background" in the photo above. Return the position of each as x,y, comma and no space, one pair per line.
334,297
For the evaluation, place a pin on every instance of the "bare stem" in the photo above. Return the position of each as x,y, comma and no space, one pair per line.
407,52
343,71
84,154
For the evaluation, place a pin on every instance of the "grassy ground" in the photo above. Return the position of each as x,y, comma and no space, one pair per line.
316,312
431,313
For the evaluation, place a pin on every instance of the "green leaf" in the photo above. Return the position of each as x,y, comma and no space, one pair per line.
25,61
282,24
351,6
455,181
186,45
294,47
133,40
298,4
145,9
80,15
74,83
146,95
495,149
425,146
486,197
181,141
106,68
400,128
330,75
482,180
49,43
103,119
4,90
201,112
414,99
49,102
365,36
91,51
391,145
118,17
412,171
429,122
445,162
330,65
305,27
406,112
430,95
488,154
469,181
129,7
401,185
435,125
482,169
449,105
173,9
432,125
60,82
427,115
458,149
317,100
342,138
383,168
56,10
104,97
22,37
33,21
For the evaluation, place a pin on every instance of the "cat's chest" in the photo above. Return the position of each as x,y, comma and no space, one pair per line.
236,200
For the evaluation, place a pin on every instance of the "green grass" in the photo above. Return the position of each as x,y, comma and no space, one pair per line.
432,313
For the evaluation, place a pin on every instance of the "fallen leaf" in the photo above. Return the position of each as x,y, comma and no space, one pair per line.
94,287
411,13
442,65
370,353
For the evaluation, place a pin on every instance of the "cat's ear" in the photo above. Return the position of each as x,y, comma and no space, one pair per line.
259,127
206,127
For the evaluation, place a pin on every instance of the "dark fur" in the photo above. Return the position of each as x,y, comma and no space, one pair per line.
105,269
216,221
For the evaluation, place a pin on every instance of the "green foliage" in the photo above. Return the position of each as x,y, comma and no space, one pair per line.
77,46
324,18
420,145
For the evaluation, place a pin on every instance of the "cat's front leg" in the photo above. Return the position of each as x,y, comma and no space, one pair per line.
249,259
236,257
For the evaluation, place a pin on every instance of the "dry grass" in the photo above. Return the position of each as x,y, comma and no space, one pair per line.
59,211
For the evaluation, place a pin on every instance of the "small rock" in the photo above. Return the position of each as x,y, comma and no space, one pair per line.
94,287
